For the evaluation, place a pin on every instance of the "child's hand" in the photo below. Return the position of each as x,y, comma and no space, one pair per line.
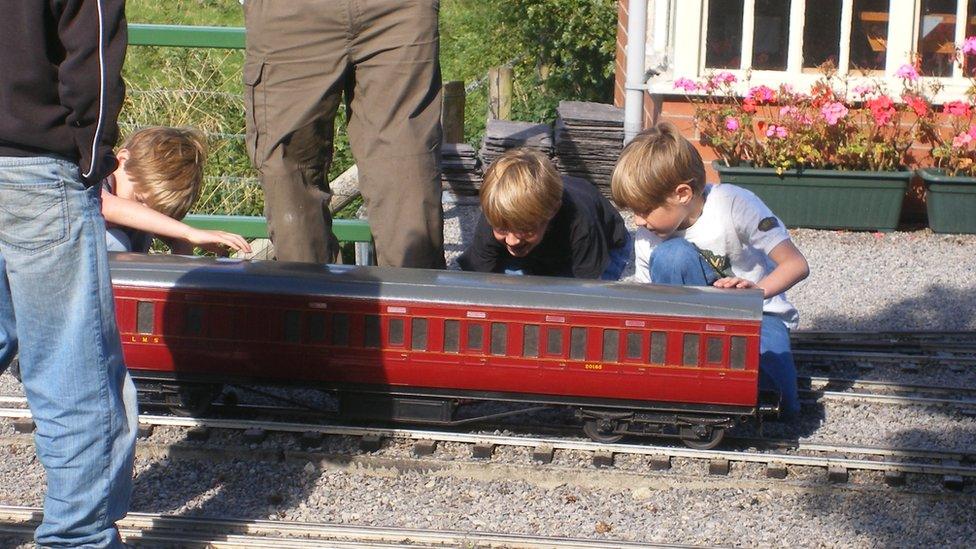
215,241
733,282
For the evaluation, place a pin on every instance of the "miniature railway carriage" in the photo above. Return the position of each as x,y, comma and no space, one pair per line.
413,345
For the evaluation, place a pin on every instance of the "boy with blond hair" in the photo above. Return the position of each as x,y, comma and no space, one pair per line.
536,222
695,234
158,179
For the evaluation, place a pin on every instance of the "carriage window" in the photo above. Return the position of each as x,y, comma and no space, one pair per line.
611,344
316,327
659,346
577,343
475,336
145,323
293,326
418,334
193,320
690,357
737,353
395,336
713,350
340,329
530,340
499,338
371,332
452,335
633,345
554,341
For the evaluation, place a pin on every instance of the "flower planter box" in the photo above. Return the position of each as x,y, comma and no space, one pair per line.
951,202
825,199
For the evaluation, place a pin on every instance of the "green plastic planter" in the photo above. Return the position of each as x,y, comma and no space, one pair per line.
950,201
825,199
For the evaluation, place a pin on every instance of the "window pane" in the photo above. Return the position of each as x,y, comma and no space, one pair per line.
577,343
452,331
293,326
499,338
418,334
821,32
554,341
193,320
723,45
371,334
633,345
611,345
340,329
737,353
869,34
396,331
475,336
530,341
690,356
316,327
937,37
771,35
659,346
144,317
713,350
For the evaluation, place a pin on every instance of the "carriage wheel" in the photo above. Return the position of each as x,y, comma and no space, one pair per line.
602,430
711,437
194,399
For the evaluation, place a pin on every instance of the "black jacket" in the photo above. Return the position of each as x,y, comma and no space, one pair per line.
60,80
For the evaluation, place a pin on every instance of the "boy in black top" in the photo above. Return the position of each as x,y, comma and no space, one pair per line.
536,222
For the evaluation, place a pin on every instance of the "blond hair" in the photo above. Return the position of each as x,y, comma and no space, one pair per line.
652,166
166,167
521,190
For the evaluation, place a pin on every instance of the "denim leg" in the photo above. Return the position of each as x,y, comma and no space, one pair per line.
52,239
776,369
618,260
8,326
514,266
678,262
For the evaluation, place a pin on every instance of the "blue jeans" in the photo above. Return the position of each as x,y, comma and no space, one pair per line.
677,261
56,298
615,266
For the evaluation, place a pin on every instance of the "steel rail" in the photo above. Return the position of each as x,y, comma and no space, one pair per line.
225,532
562,444
808,355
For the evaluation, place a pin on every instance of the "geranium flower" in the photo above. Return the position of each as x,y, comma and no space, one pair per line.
957,108
723,78
969,47
762,94
832,112
962,140
863,90
731,123
908,72
882,109
776,131
918,105
686,84
749,105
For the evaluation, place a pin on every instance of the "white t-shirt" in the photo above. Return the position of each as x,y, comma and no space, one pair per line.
735,233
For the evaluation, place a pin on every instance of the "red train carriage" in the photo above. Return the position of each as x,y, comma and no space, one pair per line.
408,345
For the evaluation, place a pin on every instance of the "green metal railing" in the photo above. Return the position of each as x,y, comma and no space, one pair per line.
346,230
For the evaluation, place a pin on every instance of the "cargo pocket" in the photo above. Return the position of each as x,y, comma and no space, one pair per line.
255,109
33,218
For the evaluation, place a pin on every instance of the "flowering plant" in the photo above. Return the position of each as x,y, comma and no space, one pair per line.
789,129
954,143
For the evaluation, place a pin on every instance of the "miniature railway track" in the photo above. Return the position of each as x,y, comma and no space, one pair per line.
174,531
953,466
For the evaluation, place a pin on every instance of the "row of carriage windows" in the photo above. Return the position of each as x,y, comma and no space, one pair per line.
533,345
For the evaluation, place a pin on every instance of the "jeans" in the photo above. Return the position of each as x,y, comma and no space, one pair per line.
56,298
677,261
615,266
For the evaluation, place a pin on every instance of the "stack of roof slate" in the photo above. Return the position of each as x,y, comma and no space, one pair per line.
502,135
589,138
460,169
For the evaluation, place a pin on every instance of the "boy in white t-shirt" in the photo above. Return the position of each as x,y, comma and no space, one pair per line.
694,234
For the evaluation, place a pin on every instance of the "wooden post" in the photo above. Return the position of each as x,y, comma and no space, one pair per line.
452,115
500,93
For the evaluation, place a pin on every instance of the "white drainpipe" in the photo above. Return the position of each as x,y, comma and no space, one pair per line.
634,81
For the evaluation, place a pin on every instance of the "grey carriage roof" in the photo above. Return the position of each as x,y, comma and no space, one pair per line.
423,285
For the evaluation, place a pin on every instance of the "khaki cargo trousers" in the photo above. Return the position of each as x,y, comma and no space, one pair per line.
302,56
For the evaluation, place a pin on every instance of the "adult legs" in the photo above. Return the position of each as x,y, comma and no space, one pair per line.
395,131
52,242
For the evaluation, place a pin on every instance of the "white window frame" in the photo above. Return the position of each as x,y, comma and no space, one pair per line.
689,31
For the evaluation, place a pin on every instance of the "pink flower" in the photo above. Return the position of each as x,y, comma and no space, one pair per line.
969,47
833,111
956,108
962,140
723,78
762,94
863,89
883,109
972,132
685,84
917,104
908,72
789,111
776,131
731,123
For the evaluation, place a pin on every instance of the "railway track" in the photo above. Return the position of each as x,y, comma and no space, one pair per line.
955,468
216,532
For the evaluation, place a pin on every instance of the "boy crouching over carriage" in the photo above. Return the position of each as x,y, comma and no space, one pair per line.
695,234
